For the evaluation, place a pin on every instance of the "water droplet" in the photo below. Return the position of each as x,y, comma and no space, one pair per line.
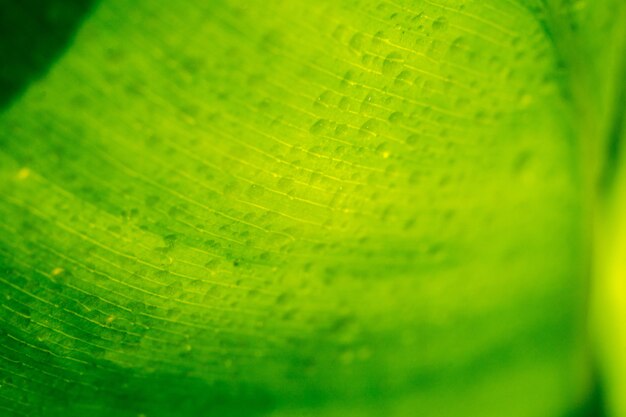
412,140
324,99
255,191
383,150
522,162
283,298
344,328
285,184
173,290
458,46
366,104
409,224
441,23
414,177
348,79
341,129
152,200
378,39
340,33
395,117
170,240
480,116
435,48
392,63
231,188
317,127
403,78
356,41
368,128
344,103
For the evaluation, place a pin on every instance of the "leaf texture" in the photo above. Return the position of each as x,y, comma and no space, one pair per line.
331,208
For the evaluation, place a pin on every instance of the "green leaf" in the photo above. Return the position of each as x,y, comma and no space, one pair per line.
329,208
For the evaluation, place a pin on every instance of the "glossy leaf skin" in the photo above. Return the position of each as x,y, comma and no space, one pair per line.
278,208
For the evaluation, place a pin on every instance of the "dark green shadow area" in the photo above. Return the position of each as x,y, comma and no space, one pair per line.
33,34
596,403
98,388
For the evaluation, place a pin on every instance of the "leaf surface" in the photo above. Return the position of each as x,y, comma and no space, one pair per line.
304,208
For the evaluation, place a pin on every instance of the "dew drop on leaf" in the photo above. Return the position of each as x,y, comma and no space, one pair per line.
441,23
